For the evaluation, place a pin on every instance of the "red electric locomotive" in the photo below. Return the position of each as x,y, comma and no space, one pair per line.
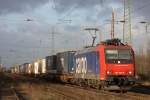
118,63
109,65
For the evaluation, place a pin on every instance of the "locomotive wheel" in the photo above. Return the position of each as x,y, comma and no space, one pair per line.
103,85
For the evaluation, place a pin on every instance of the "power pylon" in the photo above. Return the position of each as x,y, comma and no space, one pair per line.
0,62
127,22
53,41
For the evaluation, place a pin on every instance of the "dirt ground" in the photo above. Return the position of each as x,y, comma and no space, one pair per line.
37,92
61,92
42,92
31,89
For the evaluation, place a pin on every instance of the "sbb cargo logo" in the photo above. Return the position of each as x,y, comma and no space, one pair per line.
81,65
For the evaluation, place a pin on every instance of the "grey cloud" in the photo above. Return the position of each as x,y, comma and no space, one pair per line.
101,7
141,7
26,38
23,43
63,5
137,6
72,28
7,6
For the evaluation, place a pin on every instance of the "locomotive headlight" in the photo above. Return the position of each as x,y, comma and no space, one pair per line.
108,72
130,72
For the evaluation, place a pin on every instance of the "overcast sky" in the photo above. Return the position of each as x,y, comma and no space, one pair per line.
24,41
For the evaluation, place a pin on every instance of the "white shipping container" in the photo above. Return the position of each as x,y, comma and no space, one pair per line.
26,68
18,69
36,68
43,65
29,69
15,70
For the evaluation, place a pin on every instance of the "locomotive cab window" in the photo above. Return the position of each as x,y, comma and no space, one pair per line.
124,56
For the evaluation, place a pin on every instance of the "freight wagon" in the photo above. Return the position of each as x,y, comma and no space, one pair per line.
50,68
65,61
15,69
51,63
29,69
42,66
25,68
87,68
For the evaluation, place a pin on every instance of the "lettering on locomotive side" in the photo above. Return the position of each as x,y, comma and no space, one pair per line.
81,65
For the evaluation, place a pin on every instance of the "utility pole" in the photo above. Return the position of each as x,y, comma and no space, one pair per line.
53,40
0,62
113,25
146,36
53,33
93,35
146,26
124,21
129,9
100,36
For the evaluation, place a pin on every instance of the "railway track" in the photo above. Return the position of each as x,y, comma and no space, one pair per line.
74,92
78,93
62,94
69,91
137,96
9,94
129,95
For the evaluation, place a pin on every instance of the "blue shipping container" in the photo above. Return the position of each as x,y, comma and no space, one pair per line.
65,62
51,63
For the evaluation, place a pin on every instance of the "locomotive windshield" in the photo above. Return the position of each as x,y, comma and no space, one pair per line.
118,55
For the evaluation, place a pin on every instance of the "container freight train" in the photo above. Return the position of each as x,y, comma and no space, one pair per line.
109,65
55,67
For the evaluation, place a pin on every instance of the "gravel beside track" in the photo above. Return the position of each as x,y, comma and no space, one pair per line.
28,88
93,94
9,94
